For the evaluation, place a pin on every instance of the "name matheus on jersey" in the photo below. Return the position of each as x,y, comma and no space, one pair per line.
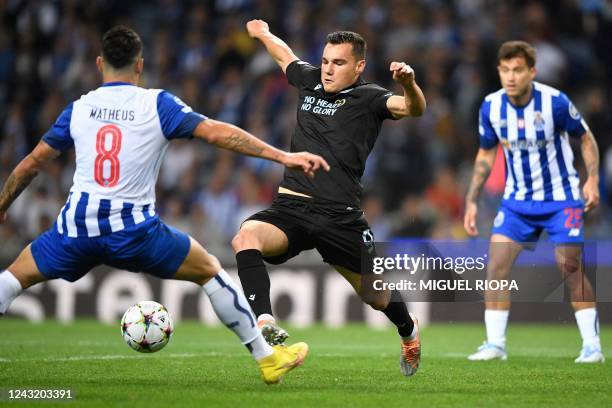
111,114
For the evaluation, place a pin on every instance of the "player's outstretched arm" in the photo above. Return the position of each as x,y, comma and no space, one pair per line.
23,175
233,138
413,103
277,48
482,168
590,155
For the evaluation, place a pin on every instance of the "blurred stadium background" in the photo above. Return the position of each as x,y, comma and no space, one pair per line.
416,177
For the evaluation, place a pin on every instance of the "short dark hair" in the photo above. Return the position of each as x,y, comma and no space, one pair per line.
121,46
513,49
348,37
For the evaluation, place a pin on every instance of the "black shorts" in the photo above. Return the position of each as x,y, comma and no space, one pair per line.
339,233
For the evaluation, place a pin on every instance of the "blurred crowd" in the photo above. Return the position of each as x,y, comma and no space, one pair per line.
417,175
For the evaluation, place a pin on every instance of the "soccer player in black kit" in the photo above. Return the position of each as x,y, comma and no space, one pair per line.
339,117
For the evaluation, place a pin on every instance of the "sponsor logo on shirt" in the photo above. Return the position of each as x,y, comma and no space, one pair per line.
321,106
523,144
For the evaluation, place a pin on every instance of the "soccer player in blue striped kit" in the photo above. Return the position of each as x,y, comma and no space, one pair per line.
533,122
120,132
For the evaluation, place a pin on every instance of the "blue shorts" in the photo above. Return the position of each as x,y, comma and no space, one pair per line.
151,247
562,224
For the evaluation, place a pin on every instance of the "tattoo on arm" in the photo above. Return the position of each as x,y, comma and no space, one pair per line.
13,187
25,172
590,154
242,144
482,169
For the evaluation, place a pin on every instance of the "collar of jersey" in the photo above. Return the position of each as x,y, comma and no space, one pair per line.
117,83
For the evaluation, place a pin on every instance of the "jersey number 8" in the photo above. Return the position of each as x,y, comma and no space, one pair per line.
110,155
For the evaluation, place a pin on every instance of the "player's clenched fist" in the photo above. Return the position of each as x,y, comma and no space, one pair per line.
590,192
256,28
402,73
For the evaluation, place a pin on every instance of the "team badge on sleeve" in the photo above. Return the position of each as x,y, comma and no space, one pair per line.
185,108
573,112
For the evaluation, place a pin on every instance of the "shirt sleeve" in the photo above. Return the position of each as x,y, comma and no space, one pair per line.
567,118
379,104
488,137
58,136
300,74
176,118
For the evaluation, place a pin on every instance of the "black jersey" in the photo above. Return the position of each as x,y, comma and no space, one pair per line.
341,127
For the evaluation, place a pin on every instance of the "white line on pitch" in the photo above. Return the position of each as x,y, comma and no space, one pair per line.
110,357
141,356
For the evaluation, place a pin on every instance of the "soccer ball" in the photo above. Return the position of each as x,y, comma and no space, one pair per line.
146,326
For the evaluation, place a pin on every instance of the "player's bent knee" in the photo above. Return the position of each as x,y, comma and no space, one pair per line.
245,239
26,278
498,271
569,266
238,242
199,266
25,270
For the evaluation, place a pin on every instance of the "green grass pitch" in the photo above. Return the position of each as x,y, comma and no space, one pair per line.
352,366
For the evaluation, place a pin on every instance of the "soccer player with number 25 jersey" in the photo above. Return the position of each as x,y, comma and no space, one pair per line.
533,122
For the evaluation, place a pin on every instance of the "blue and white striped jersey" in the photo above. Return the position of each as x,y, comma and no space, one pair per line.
535,139
120,133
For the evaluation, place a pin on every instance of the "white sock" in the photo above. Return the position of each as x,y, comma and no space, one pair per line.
412,335
10,288
234,311
265,317
588,325
259,348
496,322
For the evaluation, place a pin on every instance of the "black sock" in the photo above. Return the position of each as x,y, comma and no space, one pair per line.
255,280
397,312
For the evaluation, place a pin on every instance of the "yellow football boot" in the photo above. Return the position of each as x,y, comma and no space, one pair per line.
283,360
